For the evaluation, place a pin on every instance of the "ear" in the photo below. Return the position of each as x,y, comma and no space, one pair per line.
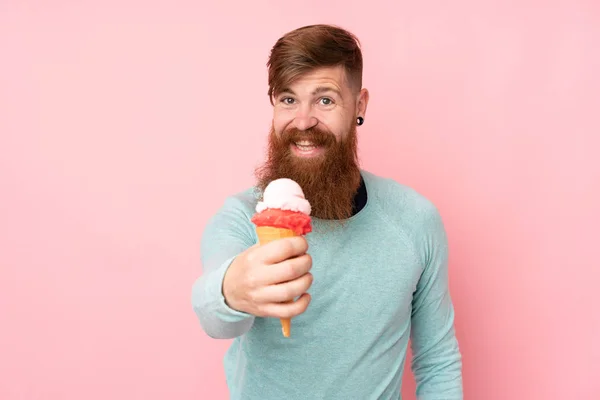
361,103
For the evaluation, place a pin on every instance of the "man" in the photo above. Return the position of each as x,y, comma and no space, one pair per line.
371,275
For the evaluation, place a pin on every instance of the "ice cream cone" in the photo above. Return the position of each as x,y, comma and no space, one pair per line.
283,212
268,234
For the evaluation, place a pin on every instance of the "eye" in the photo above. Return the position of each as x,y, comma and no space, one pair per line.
326,101
287,101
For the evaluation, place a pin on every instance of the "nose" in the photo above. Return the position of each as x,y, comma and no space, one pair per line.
304,118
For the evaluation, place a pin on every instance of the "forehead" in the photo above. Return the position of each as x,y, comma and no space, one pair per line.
320,77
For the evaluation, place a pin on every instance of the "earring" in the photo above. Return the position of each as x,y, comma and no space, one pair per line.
360,121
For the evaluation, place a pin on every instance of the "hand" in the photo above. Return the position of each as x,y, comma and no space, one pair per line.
263,280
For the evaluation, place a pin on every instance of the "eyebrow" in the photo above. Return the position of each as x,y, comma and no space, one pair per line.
318,90
323,89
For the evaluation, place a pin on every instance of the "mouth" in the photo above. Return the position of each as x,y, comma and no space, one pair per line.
306,148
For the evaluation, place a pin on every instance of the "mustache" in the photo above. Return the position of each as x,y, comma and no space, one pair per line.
316,136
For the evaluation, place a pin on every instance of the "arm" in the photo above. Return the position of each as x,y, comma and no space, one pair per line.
227,234
436,362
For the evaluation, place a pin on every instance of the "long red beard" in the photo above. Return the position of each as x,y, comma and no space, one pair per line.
329,181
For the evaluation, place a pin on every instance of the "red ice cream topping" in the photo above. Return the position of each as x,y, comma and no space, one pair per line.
298,222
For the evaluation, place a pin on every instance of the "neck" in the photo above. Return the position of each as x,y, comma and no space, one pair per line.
360,198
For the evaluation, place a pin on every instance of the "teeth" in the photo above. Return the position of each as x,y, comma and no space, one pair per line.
305,145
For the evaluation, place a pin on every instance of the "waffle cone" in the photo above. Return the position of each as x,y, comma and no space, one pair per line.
268,234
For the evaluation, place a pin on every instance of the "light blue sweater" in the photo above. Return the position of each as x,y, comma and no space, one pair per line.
379,279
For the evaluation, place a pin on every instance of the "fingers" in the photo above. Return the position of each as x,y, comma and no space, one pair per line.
275,274
287,310
286,291
287,270
282,249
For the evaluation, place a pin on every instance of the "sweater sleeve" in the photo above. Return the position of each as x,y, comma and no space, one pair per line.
227,234
436,361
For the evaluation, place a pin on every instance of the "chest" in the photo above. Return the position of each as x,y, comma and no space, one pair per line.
363,273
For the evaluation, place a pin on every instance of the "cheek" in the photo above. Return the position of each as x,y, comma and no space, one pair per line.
281,120
337,126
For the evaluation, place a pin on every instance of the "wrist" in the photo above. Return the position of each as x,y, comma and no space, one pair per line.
226,289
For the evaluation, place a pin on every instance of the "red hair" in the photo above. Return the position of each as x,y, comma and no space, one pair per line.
310,47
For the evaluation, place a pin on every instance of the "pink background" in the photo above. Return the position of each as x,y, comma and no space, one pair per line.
124,124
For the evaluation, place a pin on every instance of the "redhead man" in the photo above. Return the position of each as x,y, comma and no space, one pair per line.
372,274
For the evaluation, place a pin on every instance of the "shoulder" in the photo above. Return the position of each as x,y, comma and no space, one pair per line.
396,199
234,212
243,202
411,213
